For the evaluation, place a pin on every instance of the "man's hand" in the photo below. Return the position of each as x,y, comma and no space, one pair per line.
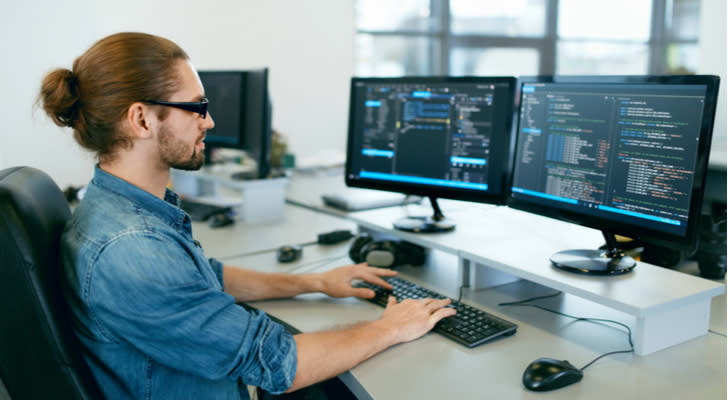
413,318
322,355
337,282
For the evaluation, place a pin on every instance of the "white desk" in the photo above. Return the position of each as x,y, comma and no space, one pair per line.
497,245
434,367
298,225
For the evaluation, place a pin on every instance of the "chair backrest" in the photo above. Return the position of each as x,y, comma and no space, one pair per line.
40,356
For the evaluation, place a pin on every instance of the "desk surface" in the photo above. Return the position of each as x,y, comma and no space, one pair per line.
434,367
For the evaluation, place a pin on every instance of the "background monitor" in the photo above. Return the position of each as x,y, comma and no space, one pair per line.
624,154
431,136
241,107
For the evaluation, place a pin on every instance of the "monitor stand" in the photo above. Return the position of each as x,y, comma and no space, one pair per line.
436,223
595,262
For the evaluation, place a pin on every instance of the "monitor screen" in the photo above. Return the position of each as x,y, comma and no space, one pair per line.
626,155
241,108
431,136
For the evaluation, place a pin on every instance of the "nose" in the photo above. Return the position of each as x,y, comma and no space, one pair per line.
208,121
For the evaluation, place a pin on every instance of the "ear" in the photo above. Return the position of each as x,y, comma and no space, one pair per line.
141,120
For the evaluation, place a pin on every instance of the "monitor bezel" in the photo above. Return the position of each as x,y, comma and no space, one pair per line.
226,141
497,195
254,135
645,234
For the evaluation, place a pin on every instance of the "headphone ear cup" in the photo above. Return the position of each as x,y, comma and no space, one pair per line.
381,253
356,251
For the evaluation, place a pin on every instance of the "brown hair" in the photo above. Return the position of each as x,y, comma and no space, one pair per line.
115,72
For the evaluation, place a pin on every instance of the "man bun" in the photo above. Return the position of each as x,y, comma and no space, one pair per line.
59,96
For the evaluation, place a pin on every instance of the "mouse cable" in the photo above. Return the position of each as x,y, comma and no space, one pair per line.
249,253
526,303
463,286
327,238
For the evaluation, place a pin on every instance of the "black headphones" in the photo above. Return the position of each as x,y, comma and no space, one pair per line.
389,252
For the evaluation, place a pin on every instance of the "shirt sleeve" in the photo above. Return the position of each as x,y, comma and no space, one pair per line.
148,291
218,267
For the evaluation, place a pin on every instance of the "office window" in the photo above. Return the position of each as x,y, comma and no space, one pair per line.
513,18
392,55
600,38
495,61
681,58
606,20
526,37
681,20
601,58
401,15
681,36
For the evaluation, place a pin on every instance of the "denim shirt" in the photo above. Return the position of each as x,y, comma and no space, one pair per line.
150,310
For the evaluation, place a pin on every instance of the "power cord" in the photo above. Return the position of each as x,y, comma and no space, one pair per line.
526,303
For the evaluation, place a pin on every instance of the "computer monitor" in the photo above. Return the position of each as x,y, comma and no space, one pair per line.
241,107
431,136
623,154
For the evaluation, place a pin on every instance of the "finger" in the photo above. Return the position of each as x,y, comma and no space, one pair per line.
374,279
433,304
362,293
382,271
391,300
441,313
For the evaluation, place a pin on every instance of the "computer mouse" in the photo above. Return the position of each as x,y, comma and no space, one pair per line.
289,253
219,220
549,374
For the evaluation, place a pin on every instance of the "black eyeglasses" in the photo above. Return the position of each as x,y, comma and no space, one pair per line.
199,107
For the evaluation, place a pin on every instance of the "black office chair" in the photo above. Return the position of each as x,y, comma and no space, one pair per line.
40,357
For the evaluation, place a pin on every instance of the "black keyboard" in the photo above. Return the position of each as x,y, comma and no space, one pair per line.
201,211
470,326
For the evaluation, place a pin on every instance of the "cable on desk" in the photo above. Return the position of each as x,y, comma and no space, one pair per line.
256,252
326,238
460,292
526,303
716,333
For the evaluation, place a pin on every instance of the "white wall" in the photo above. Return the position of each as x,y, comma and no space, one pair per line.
306,44
37,36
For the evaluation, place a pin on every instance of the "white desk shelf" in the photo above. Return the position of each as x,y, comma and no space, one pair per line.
497,245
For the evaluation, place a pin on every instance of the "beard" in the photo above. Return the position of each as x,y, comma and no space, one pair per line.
176,154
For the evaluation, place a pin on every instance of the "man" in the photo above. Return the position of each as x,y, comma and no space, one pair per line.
157,319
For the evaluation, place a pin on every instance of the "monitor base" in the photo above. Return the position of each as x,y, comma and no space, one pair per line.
424,225
436,223
592,262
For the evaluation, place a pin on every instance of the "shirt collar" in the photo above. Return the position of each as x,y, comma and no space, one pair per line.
167,208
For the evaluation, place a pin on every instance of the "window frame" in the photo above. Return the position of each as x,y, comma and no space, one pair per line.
657,43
